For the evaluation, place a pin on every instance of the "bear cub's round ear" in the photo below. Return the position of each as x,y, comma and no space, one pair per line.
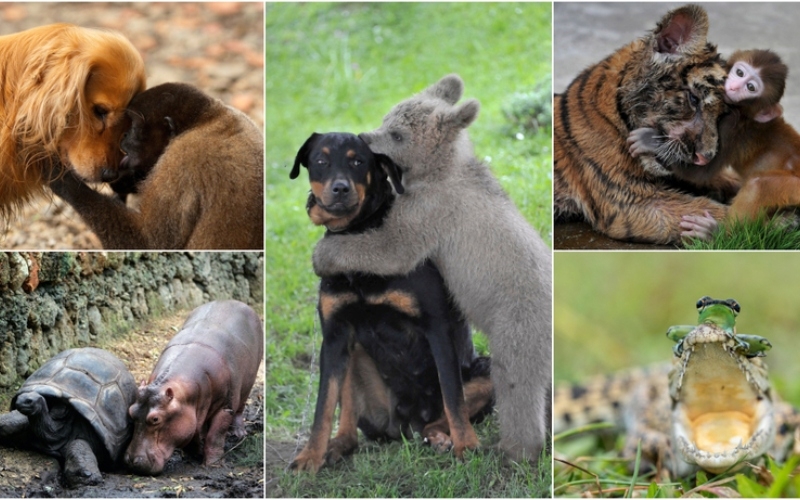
449,89
460,117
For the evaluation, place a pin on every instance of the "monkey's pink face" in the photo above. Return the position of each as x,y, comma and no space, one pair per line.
744,82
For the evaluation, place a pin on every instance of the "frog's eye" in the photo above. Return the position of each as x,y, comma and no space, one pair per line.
704,301
735,307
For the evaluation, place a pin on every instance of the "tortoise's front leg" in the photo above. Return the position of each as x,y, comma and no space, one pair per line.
12,424
80,464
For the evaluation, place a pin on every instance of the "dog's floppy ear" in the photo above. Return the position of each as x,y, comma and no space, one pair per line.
302,155
392,170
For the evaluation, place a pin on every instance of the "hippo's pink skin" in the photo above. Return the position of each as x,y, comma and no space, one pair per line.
198,388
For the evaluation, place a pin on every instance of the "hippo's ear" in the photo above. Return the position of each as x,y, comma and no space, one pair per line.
392,170
302,155
169,394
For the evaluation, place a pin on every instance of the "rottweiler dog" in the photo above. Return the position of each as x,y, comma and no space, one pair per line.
397,354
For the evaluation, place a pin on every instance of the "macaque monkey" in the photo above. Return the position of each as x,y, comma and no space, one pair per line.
754,140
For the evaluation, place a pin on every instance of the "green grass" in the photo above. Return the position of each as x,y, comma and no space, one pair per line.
614,309
775,233
249,452
341,67
411,469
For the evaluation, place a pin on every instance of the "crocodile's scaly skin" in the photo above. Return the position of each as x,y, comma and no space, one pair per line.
711,408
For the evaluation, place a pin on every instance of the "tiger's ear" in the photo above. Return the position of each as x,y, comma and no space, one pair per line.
682,30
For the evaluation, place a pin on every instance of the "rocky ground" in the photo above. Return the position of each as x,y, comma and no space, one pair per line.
240,475
218,47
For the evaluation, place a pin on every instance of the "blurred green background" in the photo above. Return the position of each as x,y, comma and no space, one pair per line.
612,310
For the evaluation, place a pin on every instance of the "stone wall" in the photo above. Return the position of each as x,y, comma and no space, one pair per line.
54,301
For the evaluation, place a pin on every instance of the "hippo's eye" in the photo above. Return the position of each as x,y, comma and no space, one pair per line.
396,137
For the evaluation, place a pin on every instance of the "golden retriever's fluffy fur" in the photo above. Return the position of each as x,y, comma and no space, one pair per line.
63,93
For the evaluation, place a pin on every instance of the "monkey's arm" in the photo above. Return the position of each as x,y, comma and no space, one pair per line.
113,222
386,251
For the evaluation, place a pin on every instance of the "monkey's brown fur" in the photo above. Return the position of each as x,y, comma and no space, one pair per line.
766,155
204,192
495,265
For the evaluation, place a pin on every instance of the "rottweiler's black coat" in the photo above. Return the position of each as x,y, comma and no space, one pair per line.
416,341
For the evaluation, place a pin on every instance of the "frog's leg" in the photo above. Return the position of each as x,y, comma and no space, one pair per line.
676,333
757,345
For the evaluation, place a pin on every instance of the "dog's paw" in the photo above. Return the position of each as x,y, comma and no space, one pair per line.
439,441
338,448
306,461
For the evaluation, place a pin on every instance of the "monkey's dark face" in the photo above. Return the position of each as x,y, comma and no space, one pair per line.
144,142
157,115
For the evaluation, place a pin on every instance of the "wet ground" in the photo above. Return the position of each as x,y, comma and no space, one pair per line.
239,475
581,236
219,47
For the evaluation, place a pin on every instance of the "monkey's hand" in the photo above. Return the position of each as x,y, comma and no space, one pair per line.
66,184
699,226
53,171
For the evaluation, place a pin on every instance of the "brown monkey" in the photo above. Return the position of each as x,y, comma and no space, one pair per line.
203,163
755,141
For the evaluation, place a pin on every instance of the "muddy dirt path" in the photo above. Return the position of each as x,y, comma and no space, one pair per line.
240,475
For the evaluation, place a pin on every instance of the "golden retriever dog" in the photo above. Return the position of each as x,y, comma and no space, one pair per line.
63,93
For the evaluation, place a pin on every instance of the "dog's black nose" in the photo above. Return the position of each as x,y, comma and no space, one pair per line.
340,188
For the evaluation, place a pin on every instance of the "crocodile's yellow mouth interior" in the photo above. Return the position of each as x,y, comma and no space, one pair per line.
721,419
721,431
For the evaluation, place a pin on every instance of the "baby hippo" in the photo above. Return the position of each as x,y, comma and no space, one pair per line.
198,388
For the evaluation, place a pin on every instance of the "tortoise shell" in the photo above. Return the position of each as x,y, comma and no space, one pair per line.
96,384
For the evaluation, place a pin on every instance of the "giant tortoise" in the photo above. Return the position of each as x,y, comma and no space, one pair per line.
74,407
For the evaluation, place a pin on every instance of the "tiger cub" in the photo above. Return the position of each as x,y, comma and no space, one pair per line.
672,80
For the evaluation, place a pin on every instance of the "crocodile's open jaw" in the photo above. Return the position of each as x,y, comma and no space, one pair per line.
722,411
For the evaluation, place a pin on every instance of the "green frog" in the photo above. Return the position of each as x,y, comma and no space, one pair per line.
722,314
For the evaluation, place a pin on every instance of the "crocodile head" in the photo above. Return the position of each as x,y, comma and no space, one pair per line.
722,408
